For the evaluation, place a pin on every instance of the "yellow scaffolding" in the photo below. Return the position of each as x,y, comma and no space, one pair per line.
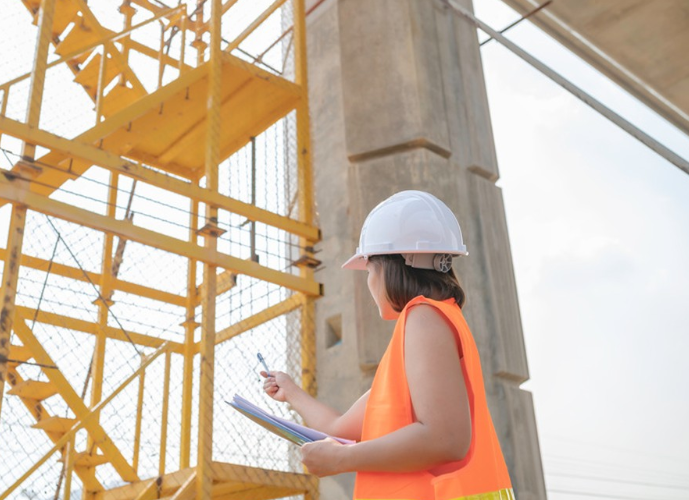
122,331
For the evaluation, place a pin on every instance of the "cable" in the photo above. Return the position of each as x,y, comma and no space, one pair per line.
91,198
88,278
600,495
144,214
107,185
45,282
64,304
597,464
58,287
523,18
614,448
621,481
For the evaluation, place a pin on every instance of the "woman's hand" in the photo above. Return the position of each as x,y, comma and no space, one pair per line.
278,385
324,458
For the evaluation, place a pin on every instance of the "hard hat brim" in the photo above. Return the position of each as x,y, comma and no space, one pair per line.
357,263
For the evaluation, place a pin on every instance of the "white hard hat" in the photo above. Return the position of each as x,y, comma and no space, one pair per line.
412,223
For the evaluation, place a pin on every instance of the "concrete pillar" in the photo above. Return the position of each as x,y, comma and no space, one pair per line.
398,101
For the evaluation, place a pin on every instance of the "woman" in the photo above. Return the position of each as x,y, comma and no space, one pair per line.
423,430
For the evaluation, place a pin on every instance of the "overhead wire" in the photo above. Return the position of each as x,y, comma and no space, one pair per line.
119,302
589,444
619,481
166,220
88,278
613,496
598,464
229,226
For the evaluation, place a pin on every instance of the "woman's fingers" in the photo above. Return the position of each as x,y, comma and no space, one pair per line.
270,385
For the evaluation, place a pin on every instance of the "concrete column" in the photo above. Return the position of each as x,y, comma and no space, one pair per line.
398,101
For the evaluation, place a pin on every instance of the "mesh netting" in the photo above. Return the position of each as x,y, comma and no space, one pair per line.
94,322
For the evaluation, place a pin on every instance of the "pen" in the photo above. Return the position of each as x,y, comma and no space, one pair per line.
263,361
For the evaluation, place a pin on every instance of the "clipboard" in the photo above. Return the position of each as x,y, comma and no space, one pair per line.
291,431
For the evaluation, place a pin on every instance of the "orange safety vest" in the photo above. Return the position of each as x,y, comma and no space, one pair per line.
481,475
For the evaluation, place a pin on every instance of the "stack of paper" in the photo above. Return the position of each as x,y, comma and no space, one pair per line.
295,433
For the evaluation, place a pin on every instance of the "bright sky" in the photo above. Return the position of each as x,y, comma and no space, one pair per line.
598,225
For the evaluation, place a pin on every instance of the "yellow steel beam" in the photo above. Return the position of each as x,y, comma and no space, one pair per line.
161,53
183,43
257,22
163,421
115,163
98,361
87,276
305,192
177,19
226,6
10,275
3,106
225,282
100,89
189,329
39,70
80,325
91,20
223,472
186,491
199,43
77,406
169,483
11,191
150,492
257,319
261,73
204,479
239,491
69,469
228,481
153,54
8,292
128,11
139,418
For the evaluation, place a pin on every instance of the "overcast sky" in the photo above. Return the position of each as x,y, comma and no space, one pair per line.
599,227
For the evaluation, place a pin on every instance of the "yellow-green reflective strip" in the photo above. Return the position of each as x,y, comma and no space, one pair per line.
506,494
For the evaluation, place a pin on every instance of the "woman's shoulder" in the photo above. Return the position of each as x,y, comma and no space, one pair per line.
427,314
429,329
421,300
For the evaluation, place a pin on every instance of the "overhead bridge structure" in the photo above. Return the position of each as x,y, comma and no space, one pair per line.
156,181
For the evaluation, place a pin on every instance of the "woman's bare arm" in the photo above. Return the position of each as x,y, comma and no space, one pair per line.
316,414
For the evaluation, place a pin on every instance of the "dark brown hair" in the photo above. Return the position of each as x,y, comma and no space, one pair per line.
403,282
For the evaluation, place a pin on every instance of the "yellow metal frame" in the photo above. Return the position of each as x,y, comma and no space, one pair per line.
107,144
16,231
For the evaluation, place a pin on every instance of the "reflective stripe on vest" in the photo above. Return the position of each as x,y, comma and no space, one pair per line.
506,494
481,475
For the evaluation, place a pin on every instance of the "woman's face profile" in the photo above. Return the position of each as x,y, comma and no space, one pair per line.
376,285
